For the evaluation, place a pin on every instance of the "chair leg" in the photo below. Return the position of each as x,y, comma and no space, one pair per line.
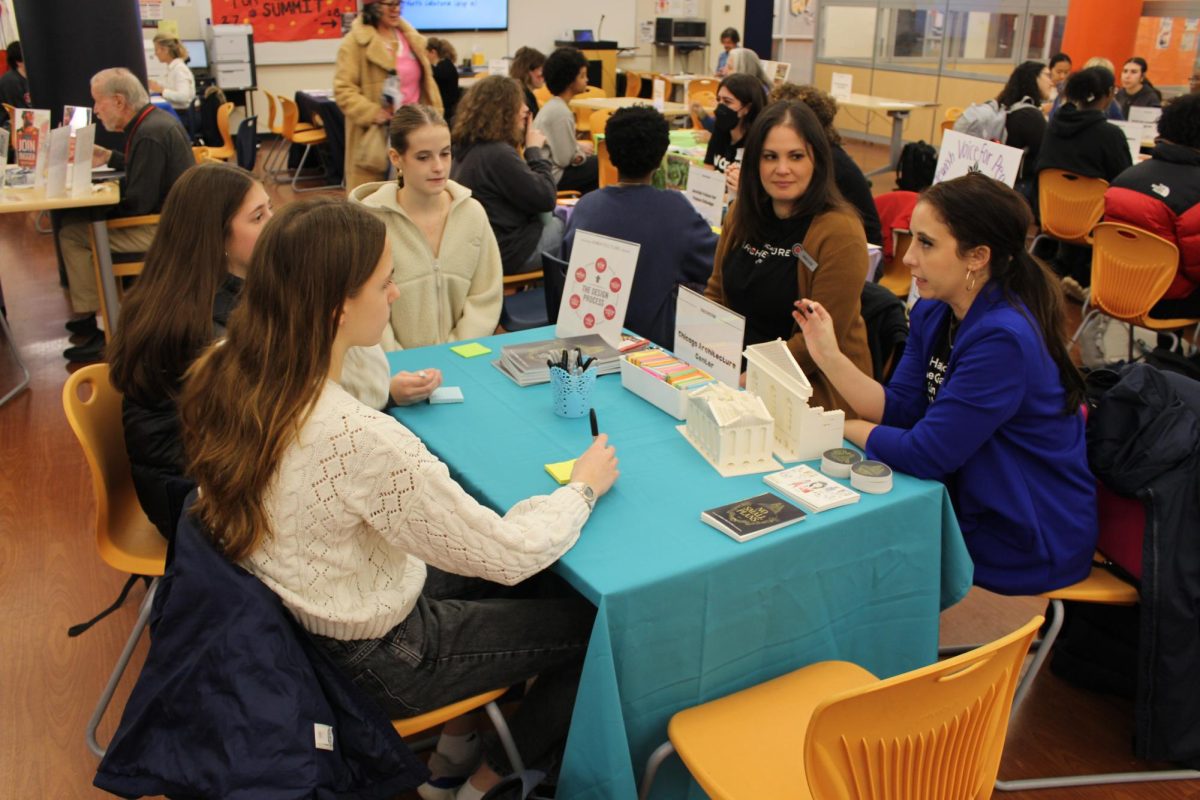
660,754
505,735
123,661
300,168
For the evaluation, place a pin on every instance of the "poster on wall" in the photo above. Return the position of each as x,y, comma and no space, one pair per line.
285,20
1165,26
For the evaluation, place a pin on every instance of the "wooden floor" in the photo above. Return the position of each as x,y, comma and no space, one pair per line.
51,577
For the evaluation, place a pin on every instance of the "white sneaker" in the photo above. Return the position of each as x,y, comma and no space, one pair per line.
1091,341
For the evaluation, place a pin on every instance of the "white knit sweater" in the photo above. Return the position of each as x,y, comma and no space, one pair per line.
359,506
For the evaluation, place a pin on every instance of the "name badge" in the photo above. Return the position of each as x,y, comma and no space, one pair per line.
805,258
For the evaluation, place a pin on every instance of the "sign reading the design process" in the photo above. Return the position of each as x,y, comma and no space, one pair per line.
596,292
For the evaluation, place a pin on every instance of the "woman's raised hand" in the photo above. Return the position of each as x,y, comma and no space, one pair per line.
817,327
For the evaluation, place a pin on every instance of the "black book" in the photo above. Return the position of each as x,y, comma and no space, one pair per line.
752,517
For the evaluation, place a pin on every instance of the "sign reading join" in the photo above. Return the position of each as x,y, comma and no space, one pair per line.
961,154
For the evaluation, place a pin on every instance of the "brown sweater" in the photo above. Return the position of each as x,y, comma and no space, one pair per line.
838,244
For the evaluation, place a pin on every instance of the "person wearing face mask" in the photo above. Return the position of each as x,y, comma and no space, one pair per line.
1136,89
740,98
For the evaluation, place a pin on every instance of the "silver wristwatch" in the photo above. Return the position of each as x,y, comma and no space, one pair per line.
586,492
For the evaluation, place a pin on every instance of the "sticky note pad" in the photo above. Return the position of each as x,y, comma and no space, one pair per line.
446,394
561,471
471,349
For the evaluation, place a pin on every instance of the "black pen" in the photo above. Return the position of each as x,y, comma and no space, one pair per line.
587,363
595,424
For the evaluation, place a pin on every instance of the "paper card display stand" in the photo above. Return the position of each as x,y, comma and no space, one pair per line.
596,293
81,172
706,191
841,85
1135,134
30,141
709,336
802,432
961,154
732,430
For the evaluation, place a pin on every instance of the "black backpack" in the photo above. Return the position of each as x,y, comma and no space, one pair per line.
917,164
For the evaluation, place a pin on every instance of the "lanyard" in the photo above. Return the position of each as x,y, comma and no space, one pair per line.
136,123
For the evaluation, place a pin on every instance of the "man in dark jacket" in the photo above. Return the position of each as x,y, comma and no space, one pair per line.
156,153
1136,89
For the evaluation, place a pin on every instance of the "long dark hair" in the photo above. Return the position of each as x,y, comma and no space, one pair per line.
1022,83
749,92
751,214
1024,280
244,400
166,318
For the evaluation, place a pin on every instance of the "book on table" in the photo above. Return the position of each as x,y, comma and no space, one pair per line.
525,363
808,487
752,517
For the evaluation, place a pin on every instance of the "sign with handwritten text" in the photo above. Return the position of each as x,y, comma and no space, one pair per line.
285,20
961,154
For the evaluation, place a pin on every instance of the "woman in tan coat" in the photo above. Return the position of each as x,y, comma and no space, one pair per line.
381,54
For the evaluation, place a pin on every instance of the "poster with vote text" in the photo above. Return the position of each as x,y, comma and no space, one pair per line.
596,292
285,20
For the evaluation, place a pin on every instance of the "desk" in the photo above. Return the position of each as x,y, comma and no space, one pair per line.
898,110
613,103
686,614
103,194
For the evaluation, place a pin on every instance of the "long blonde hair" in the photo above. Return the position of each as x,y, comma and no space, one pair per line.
246,398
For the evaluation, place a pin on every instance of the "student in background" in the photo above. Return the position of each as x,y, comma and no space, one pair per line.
677,244
14,84
850,181
381,55
396,571
740,98
985,398
1027,88
730,39
526,67
1136,89
517,192
789,235
744,61
575,165
443,57
444,254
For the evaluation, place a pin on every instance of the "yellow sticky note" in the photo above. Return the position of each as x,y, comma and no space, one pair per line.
561,471
470,349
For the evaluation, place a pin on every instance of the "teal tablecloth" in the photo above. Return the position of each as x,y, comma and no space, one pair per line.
686,614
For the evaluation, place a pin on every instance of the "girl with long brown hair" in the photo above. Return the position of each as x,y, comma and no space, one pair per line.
517,192
347,516
986,397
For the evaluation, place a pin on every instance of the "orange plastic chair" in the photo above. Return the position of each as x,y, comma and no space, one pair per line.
126,539
707,101
275,125
120,269
542,94
700,86
583,115
1070,204
598,120
294,135
834,730
608,173
412,726
633,84
1131,270
953,113
226,151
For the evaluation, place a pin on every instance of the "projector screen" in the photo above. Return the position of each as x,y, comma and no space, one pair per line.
456,15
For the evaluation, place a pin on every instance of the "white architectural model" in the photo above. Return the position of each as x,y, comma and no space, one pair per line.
802,432
731,429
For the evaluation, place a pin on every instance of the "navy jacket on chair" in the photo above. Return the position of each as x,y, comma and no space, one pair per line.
228,701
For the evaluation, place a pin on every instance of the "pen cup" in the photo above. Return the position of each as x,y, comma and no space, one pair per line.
572,393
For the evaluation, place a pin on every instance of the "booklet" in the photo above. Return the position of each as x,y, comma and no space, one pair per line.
811,489
750,518
526,363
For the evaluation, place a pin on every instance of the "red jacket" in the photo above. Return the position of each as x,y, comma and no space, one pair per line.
1162,196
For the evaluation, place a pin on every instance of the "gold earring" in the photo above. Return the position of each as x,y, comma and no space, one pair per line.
971,276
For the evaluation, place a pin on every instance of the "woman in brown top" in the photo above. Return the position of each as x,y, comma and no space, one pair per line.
788,235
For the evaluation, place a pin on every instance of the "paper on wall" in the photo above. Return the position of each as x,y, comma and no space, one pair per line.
841,85
596,294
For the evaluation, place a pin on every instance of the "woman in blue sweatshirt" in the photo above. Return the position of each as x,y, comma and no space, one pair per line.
986,398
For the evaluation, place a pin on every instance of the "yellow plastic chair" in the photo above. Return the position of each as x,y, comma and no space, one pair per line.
410,727
1101,586
701,86
953,113
294,135
1131,270
542,95
1070,205
834,730
275,125
226,151
598,120
120,269
633,84
126,539
608,172
583,121
707,101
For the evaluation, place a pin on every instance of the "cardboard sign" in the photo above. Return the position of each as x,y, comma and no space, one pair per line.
709,336
57,156
596,293
706,190
81,175
961,154
840,85
660,94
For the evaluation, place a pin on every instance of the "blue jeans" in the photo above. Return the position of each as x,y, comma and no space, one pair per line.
467,636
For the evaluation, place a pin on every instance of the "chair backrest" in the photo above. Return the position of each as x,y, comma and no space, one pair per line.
701,85
271,112
953,113
1131,269
1070,204
246,143
291,117
223,126
608,173
707,101
201,155
554,271
598,120
934,733
633,84
542,94
125,537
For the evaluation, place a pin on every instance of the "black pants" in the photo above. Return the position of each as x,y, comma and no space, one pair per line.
581,178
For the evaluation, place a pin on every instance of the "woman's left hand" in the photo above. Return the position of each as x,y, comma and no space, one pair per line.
412,387
857,431
155,87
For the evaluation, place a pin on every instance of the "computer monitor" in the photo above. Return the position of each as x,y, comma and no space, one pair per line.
197,53
584,35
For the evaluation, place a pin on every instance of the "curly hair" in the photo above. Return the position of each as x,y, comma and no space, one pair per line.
1180,121
1022,83
443,48
1089,86
488,112
561,69
525,61
822,104
637,139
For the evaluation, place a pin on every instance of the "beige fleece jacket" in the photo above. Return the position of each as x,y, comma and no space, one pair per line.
449,297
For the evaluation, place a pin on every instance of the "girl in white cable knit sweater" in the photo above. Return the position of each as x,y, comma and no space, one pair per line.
357,527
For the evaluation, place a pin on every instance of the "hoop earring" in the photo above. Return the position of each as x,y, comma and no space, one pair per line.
971,277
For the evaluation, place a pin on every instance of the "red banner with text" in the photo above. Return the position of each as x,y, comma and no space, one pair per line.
285,20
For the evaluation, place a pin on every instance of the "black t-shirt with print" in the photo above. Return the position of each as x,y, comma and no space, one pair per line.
939,357
759,279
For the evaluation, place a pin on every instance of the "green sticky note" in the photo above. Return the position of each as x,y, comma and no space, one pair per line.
470,349
561,471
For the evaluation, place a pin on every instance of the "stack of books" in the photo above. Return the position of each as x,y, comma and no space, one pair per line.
526,364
